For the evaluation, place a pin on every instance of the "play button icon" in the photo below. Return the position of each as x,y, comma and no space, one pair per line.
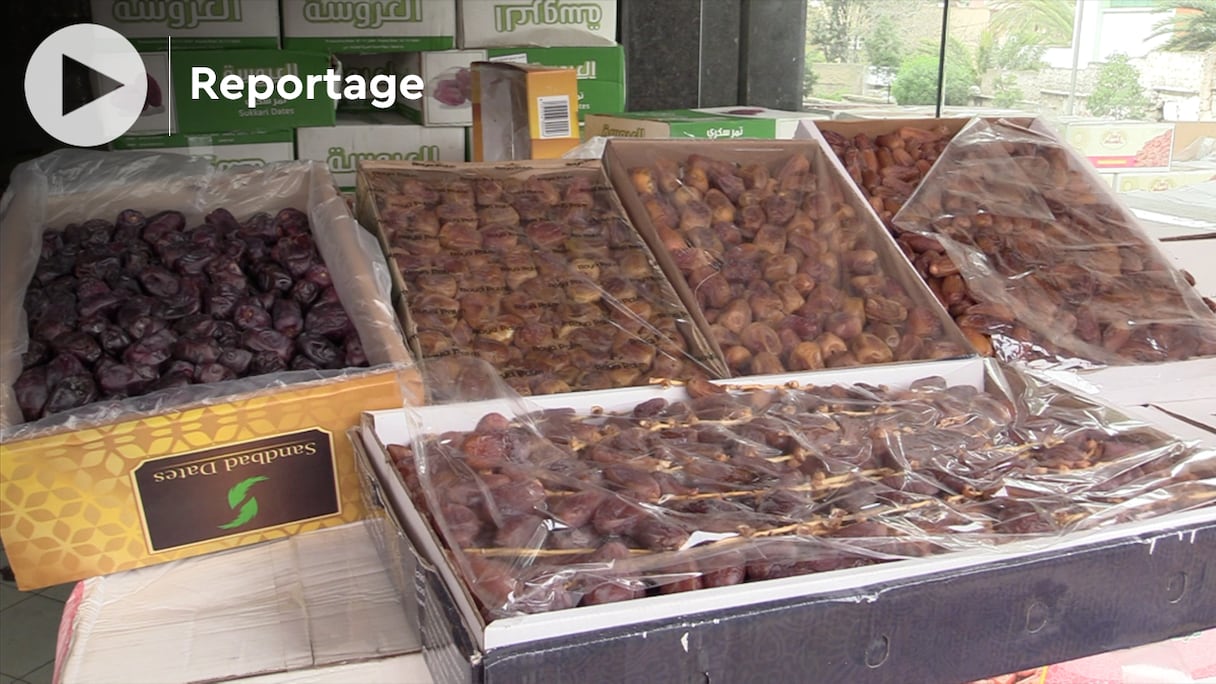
104,84
116,70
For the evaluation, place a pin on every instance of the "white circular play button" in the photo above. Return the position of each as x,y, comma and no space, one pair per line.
117,73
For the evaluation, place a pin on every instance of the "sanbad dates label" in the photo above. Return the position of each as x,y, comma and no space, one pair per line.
236,489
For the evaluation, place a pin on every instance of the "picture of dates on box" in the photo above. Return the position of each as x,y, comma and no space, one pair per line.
566,507
121,308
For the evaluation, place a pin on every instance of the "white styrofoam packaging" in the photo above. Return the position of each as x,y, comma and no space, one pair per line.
193,25
1144,384
287,606
376,136
539,23
786,122
447,96
1197,257
1192,420
223,150
364,26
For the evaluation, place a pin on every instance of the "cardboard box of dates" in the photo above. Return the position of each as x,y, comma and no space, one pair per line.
533,267
182,349
715,530
782,259
1035,257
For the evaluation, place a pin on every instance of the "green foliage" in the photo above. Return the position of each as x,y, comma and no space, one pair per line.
916,82
809,78
984,50
958,56
1191,30
832,25
1117,92
1044,22
1007,93
883,46
1019,52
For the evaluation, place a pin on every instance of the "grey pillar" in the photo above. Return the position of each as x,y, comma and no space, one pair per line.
772,53
681,53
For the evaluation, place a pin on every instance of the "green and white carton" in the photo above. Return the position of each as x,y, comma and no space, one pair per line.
785,122
205,115
193,24
679,123
539,23
362,26
169,108
446,100
447,95
223,150
376,136
370,65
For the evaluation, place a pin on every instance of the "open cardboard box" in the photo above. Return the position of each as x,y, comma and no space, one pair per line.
665,300
1158,381
620,156
116,485
1017,606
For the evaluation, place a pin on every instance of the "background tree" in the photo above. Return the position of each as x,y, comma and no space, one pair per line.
1046,22
1117,92
883,46
1191,26
1007,92
916,82
833,26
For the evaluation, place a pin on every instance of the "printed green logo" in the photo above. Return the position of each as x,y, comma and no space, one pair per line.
724,132
249,507
362,14
367,72
340,160
547,13
222,164
609,131
177,14
583,72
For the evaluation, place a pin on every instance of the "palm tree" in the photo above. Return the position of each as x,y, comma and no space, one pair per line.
1048,22
1191,26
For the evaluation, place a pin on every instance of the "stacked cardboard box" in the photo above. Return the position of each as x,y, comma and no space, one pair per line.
578,37
372,39
561,36
239,36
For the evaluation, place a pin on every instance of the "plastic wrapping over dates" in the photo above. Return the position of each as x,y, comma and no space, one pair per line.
120,308
1038,262
778,258
546,509
537,272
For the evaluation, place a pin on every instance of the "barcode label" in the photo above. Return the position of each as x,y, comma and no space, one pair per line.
554,116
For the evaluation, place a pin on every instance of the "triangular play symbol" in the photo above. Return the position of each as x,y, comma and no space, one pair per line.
104,85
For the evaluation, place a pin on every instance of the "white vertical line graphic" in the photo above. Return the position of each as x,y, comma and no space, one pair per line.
169,83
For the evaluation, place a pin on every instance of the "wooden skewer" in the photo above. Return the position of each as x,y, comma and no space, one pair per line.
492,552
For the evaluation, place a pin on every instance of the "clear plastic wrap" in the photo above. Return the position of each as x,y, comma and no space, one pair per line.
545,509
83,191
1043,263
534,268
789,270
